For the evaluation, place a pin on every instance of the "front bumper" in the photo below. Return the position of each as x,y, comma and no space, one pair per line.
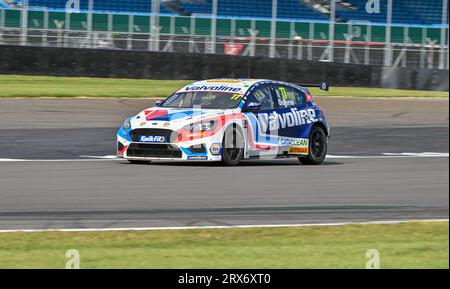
206,149
139,150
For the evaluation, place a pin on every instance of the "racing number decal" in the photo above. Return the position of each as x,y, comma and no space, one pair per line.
282,90
236,96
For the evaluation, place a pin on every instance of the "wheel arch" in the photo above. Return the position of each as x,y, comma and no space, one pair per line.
322,126
240,128
234,124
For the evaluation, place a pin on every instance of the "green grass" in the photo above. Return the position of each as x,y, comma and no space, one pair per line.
44,86
408,245
362,92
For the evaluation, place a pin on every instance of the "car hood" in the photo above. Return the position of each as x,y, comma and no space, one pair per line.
175,117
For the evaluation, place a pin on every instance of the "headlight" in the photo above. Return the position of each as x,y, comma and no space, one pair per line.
201,126
127,124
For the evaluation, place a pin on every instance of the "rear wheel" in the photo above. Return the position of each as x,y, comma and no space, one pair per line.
318,147
232,147
139,162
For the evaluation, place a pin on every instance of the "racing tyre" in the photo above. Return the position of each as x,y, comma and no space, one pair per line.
139,162
232,147
317,147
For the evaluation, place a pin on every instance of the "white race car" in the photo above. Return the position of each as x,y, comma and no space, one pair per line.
228,120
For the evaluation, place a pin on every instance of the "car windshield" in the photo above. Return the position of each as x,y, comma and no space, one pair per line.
203,99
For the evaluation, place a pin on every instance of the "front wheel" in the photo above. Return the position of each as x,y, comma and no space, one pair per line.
232,147
318,147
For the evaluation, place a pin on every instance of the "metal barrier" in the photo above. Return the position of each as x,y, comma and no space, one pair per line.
355,42
414,56
172,65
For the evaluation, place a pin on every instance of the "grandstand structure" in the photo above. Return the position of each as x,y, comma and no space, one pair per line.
394,33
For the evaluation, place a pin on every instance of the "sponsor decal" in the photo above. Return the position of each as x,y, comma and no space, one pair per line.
297,146
286,103
198,158
223,88
294,142
216,149
298,151
275,121
152,139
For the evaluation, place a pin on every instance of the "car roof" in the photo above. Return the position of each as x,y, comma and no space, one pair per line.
239,83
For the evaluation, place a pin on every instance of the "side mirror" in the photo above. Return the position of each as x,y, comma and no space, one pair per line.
253,107
158,102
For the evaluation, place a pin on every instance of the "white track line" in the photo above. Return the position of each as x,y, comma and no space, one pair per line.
425,154
113,158
393,155
99,157
222,227
60,160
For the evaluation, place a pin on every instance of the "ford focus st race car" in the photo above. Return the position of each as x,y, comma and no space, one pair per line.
228,120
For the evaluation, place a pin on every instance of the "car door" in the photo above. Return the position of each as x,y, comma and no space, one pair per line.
291,112
260,132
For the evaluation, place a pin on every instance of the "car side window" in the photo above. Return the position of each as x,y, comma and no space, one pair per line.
288,97
263,95
299,95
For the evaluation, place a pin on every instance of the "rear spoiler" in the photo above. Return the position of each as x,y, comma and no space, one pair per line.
323,86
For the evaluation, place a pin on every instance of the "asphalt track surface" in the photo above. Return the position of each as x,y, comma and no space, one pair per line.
61,189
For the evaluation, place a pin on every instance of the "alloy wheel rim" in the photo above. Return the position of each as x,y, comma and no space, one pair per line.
318,145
